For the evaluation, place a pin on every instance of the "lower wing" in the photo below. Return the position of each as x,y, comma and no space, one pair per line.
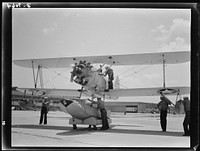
53,93
112,94
148,91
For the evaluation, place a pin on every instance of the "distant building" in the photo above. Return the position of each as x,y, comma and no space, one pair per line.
131,107
17,96
124,107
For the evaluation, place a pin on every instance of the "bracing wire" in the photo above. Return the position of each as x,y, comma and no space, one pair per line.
147,79
57,74
139,70
132,68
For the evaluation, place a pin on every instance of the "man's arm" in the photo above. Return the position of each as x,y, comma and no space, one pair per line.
92,102
105,73
158,105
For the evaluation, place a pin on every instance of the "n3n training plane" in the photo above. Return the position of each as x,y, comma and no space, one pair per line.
94,84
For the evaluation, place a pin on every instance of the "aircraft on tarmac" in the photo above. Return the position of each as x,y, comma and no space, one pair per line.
94,84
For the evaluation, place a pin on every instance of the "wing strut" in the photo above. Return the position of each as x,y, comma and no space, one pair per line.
35,77
81,91
35,85
163,70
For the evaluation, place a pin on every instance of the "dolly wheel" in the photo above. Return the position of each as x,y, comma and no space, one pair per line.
74,127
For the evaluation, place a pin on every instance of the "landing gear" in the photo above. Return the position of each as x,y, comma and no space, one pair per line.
74,127
94,127
90,127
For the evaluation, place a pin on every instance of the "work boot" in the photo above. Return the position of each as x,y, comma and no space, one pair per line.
186,134
89,127
104,128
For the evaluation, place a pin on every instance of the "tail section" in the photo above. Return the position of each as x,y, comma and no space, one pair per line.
116,83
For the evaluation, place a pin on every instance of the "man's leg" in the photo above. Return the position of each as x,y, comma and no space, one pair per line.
163,120
41,117
186,124
45,118
104,120
110,85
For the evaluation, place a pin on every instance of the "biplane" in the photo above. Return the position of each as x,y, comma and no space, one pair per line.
94,84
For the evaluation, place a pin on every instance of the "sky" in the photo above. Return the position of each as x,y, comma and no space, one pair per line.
69,32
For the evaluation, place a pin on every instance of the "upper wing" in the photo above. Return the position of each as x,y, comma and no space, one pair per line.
127,59
147,91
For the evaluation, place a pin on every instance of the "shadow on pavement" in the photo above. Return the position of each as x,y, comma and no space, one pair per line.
84,130
50,127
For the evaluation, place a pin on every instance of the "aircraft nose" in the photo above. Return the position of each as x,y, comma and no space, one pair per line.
66,102
79,71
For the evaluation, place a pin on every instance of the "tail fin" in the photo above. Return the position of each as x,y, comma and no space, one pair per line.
117,84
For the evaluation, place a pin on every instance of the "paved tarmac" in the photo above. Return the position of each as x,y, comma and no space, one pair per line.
130,130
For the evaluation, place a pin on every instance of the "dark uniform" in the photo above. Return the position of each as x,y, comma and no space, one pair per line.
186,122
73,72
163,107
44,111
100,105
110,74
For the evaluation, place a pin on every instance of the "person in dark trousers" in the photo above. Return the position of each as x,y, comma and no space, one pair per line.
110,74
186,122
44,111
101,106
163,107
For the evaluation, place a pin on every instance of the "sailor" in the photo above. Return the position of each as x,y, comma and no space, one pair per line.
101,106
44,111
186,122
100,69
88,65
110,74
163,107
82,62
73,72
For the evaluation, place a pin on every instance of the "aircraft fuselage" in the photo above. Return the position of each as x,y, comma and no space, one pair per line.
80,109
